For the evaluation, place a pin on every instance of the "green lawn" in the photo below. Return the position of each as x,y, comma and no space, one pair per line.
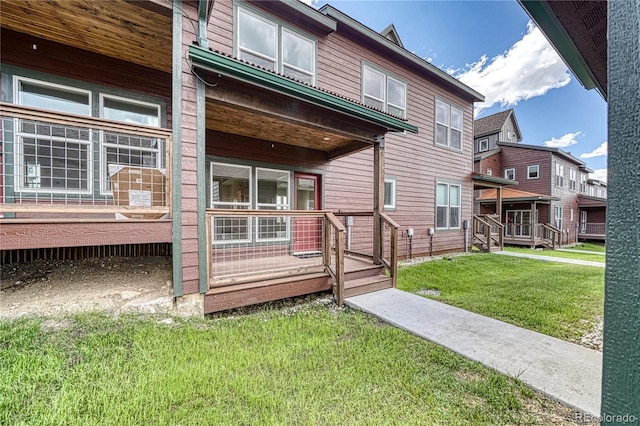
557,299
593,256
599,248
306,366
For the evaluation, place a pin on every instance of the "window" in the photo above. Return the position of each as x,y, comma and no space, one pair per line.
559,174
49,157
489,172
483,145
447,206
583,183
592,191
510,174
230,189
533,172
558,216
272,192
259,41
120,150
509,135
383,92
448,125
389,193
572,179
583,220
571,215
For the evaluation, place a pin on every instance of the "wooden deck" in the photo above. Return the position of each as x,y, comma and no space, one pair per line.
361,276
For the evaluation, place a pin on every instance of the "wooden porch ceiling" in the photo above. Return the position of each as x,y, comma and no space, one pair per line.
237,109
116,28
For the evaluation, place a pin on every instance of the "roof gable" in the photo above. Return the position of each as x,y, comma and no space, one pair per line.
491,123
390,33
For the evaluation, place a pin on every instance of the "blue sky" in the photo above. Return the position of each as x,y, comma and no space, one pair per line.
493,47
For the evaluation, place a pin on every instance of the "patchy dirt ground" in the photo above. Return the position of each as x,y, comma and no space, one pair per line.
52,287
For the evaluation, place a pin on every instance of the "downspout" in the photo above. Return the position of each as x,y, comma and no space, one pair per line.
204,11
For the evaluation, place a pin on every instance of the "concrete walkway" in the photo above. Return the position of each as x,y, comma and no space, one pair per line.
552,259
564,371
581,251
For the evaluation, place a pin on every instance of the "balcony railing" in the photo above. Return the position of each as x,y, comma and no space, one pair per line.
57,165
592,228
253,245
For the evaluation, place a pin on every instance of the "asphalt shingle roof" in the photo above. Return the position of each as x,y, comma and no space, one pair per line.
491,123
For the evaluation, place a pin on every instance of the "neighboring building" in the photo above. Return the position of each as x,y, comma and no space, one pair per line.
247,139
554,186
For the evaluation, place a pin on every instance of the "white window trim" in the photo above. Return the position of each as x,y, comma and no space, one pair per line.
448,206
385,89
276,60
573,178
223,205
510,169
480,142
104,145
449,127
559,175
394,192
276,206
311,73
557,218
279,56
535,167
489,172
19,174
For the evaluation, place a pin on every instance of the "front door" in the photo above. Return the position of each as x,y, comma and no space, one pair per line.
307,231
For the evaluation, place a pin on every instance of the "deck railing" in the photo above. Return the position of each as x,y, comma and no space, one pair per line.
360,238
249,245
57,165
488,231
592,229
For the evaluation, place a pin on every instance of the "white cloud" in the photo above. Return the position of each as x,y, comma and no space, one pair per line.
600,151
311,3
563,141
599,174
530,68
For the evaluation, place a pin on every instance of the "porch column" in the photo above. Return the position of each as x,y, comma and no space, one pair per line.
534,222
499,203
621,357
378,196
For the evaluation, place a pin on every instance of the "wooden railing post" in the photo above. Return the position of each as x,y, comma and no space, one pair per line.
326,241
394,256
340,237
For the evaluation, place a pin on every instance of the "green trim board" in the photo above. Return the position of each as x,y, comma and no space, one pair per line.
218,63
176,183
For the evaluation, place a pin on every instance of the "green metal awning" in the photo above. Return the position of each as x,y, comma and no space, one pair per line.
215,62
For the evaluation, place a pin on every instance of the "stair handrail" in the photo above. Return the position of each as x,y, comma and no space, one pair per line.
554,231
331,221
500,227
392,263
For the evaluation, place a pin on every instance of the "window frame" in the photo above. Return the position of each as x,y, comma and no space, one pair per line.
480,142
386,76
512,170
583,183
572,178
278,60
559,175
20,175
103,146
532,167
450,106
558,219
394,191
448,206
275,206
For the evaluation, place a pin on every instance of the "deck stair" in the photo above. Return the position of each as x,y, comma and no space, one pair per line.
355,287
487,233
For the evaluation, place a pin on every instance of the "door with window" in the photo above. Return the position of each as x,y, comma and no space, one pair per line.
583,220
307,231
